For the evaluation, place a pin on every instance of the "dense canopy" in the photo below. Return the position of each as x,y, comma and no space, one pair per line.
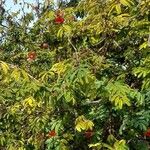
75,76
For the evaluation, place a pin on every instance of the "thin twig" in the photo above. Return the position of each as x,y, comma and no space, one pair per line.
76,51
92,102
14,66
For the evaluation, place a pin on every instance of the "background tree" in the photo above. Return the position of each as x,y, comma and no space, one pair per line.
75,76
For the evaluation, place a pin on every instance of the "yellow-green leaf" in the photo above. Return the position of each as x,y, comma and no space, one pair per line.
4,67
118,8
15,74
67,29
97,145
25,75
60,33
29,102
125,3
111,9
82,123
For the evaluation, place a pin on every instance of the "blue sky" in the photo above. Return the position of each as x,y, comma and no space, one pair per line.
10,5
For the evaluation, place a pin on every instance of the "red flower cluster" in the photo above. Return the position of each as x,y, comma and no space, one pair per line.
51,133
31,56
88,134
147,133
59,19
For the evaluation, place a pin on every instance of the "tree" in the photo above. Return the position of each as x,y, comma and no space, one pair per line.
77,77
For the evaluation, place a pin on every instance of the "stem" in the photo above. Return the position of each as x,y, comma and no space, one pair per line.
93,102
76,51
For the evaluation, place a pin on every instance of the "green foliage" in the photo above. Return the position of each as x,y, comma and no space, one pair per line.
87,88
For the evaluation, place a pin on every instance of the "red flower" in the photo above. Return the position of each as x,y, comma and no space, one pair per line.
31,56
147,133
52,133
88,134
59,20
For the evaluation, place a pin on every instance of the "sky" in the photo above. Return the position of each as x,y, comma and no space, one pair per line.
10,5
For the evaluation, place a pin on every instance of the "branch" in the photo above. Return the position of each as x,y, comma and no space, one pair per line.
14,66
92,102
30,76
74,49
149,39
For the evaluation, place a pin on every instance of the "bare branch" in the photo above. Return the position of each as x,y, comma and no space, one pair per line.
92,102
